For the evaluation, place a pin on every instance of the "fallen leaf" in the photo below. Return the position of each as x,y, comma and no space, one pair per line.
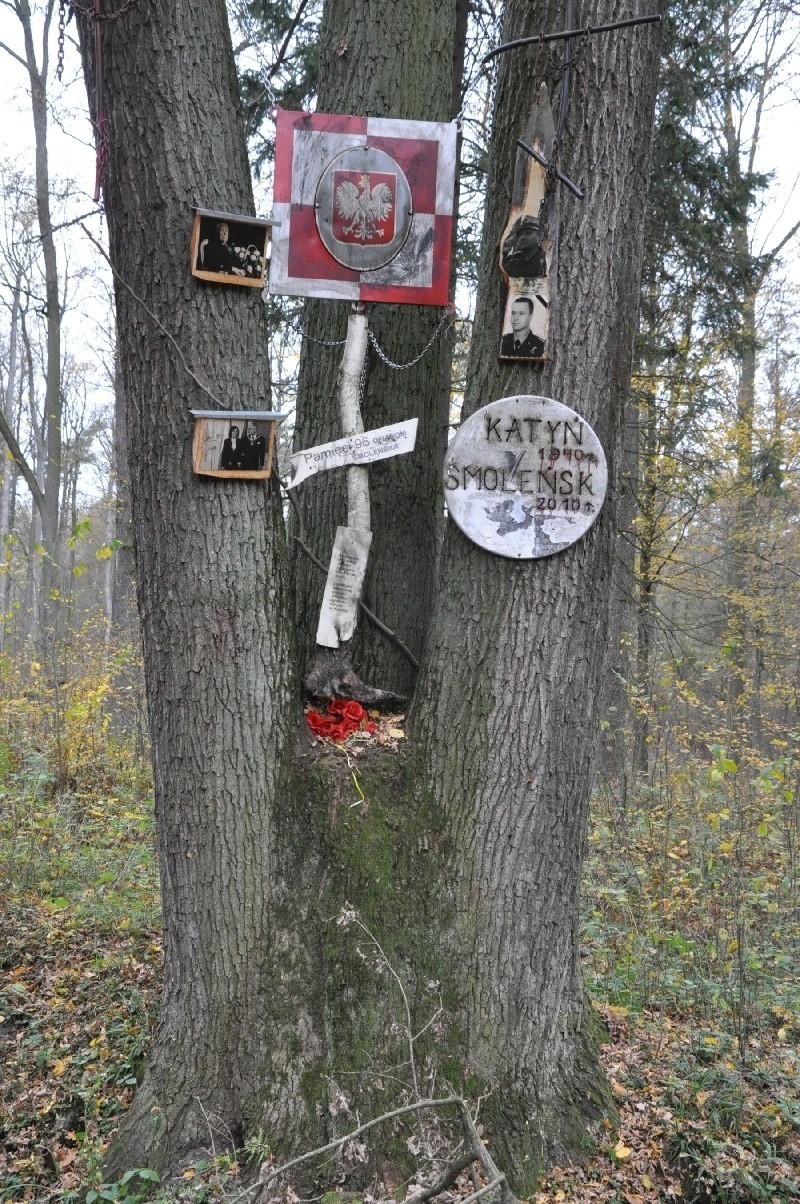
397,733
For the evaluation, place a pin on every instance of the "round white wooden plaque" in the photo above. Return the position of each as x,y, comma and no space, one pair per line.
525,477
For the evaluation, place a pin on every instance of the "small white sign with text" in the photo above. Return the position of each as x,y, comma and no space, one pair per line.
361,449
338,615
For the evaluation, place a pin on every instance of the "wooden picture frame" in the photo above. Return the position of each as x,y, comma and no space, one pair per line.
229,248
528,245
238,444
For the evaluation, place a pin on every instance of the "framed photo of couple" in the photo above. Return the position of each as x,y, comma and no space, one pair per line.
234,443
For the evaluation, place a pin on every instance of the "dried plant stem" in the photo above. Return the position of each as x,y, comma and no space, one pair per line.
409,1031
477,1153
340,1141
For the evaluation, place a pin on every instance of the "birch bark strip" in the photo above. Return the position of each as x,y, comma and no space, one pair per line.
355,353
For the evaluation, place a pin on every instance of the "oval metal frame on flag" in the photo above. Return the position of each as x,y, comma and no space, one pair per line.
525,477
363,254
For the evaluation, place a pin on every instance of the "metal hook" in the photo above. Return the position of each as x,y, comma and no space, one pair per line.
566,34
571,185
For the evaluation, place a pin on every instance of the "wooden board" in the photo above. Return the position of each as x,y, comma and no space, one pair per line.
360,450
527,255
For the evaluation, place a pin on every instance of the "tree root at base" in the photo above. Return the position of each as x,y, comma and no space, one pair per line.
330,674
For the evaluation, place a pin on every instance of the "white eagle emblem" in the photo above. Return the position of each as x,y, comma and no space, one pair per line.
363,208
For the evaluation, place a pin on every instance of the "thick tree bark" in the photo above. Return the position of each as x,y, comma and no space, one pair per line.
467,870
509,698
123,564
382,60
212,593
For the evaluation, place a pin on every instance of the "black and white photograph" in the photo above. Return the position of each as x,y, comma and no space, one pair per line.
234,444
229,248
522,252
525,325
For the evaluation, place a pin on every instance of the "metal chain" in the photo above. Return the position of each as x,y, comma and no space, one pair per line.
362,386
321,342
448,317
90,15
62,7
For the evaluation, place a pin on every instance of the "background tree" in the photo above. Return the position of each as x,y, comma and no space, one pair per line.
699,334
45,488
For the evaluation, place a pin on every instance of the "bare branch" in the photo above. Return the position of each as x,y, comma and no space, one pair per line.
420,1105
448,1178
21,462
14,55
153,317
776,250
289,34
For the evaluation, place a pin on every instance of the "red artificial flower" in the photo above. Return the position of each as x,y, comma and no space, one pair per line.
343,718
347,709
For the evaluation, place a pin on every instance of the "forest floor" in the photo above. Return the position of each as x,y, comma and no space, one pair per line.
691,935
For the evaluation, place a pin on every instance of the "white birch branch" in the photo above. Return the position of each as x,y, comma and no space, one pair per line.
355,353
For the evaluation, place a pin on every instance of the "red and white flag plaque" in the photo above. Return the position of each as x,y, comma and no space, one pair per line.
365,206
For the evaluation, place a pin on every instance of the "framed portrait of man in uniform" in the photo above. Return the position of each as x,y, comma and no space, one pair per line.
525,324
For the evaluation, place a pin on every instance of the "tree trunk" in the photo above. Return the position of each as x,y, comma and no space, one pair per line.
466,870
509,699
383,60
122,565
10,395
53,398
211,565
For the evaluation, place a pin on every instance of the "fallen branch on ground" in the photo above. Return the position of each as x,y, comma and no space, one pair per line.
477,1152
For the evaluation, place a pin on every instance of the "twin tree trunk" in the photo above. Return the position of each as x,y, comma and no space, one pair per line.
382,60
463,858
508,703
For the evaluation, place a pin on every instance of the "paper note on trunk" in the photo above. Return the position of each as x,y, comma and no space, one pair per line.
362,449
339,613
